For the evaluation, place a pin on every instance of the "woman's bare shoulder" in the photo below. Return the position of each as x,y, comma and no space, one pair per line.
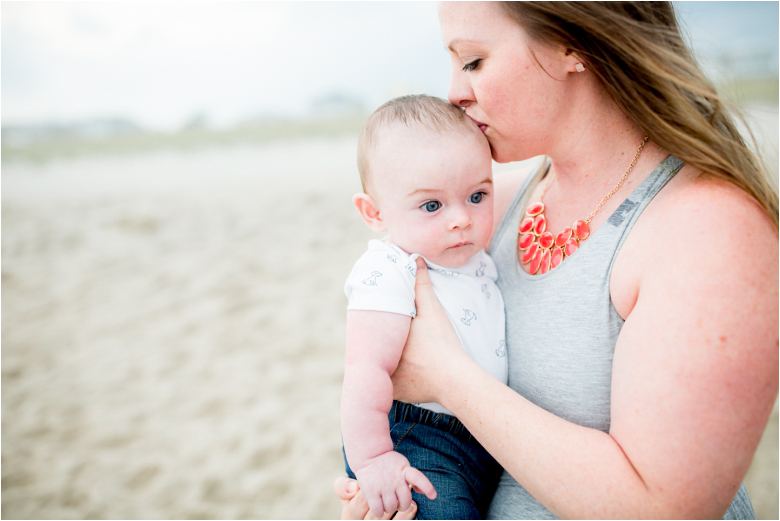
698,199
698,227
708,225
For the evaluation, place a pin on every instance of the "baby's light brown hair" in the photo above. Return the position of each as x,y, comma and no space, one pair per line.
426,111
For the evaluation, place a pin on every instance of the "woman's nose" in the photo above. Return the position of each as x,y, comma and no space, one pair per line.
460,93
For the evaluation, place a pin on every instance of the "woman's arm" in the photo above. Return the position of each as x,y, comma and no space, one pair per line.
694,377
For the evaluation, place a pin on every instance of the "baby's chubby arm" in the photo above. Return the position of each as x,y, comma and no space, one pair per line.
375,340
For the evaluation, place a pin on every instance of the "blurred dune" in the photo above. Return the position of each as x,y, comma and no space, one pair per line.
173,325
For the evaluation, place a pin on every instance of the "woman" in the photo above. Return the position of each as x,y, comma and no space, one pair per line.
643,368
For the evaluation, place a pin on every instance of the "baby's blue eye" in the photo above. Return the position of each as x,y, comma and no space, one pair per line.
476,198
431,206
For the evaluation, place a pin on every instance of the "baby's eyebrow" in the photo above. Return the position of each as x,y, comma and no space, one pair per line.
423,191
487,180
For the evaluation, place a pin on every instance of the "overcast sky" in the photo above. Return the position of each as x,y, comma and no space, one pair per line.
162,62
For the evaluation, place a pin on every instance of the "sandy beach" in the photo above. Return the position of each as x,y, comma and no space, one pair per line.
173,327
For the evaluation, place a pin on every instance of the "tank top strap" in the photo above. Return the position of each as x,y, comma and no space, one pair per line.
623,218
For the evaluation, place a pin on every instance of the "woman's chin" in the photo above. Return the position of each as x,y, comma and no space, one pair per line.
502,155
499,154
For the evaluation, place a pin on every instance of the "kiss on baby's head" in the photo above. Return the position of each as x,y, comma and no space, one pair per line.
427,180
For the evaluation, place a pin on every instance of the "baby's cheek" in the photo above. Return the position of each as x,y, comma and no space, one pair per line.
485,225
432,243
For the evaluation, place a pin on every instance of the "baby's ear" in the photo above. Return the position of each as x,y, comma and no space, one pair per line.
369,211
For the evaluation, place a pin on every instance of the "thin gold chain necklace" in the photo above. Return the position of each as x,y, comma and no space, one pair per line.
545,251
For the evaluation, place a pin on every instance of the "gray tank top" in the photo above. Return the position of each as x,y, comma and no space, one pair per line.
561,330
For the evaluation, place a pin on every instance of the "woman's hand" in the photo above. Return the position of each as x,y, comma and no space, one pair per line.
354,505
433,352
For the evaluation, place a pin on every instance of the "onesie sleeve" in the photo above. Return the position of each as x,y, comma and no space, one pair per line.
382,280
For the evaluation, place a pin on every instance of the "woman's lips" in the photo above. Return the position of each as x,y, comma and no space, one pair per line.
482,126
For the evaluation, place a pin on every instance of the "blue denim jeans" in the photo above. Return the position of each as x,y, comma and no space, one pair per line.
464,474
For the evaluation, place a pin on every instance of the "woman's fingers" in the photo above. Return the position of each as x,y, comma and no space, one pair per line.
353,503
423,290
432,341
345,488
408,513
420,483
385,516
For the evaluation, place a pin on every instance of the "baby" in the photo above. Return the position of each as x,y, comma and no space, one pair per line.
426,174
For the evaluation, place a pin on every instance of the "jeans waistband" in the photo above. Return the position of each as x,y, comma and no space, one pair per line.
402,412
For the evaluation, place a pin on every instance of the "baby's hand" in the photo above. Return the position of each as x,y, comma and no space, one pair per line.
385,483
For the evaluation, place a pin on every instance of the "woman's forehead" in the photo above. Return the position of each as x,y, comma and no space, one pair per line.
472,22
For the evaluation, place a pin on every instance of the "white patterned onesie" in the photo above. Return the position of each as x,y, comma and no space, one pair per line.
383,280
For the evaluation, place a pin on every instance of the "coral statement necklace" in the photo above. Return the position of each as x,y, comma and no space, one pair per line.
546,251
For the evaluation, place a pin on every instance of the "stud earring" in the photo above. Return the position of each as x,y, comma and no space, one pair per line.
579,67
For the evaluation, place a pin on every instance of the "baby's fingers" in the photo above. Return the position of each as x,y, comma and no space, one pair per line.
376,509
390,501
420,483
404,497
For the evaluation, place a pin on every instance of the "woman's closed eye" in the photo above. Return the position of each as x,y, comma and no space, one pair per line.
472,65
431,206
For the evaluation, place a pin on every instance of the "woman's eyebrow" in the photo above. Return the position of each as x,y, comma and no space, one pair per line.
458,41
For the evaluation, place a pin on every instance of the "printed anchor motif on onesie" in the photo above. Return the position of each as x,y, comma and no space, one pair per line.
501,351
485,290
481,270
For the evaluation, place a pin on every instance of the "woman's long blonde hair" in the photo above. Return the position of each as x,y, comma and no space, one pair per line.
636,51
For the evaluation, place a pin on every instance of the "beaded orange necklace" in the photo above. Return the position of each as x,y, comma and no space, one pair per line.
546,251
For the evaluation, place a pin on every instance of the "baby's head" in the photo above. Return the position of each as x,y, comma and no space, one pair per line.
427,177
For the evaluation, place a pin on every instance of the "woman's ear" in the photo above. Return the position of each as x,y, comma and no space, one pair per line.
369,211
573,61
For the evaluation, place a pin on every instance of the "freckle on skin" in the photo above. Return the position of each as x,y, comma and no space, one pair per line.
723,338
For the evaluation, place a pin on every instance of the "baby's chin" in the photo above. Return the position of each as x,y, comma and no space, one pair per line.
454,257
447,258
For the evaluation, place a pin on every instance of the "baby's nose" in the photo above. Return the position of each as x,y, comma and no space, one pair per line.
459,218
